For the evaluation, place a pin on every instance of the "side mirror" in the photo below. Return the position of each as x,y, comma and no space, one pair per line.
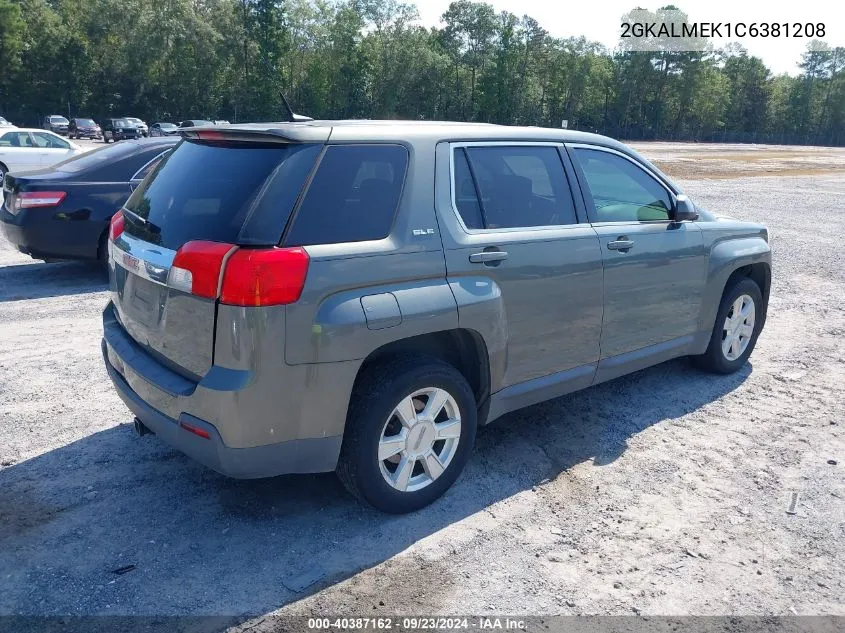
684,209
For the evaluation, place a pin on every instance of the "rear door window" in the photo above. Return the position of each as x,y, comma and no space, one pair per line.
16,139
232,192
353,196
519,186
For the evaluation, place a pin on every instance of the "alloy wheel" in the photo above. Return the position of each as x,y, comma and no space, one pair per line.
419,439
738,327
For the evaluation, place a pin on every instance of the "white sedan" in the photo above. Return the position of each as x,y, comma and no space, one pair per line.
24,148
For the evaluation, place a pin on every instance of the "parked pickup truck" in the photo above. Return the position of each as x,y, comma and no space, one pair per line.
359,296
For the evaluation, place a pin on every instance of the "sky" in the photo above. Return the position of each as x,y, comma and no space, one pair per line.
599,20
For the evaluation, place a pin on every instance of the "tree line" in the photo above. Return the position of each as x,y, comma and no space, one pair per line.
229,59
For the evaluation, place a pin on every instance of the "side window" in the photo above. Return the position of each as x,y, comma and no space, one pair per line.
15,139
520,186
466,199
47,140
621,191
352,197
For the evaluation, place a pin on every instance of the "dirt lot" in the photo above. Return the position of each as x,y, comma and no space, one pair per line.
660,493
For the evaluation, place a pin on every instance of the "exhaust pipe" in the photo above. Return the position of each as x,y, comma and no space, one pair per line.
140,428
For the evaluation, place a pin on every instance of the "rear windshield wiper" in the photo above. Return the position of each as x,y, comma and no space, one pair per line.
152,228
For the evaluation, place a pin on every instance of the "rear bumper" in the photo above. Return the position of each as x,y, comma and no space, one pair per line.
301,455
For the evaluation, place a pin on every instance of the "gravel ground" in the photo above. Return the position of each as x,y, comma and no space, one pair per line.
665,492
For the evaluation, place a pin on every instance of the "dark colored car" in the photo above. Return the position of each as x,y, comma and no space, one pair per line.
164,129
83,128
120,129
63,211
196,123
56,123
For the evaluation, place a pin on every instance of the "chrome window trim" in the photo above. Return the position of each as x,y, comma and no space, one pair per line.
636,163
511,229
147,164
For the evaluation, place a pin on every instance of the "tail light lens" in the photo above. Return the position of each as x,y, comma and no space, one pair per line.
240,276
116,225
33,199
265,276
197,267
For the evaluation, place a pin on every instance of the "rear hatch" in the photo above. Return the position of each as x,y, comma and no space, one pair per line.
213,195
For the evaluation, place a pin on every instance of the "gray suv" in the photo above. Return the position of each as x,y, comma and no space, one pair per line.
359,296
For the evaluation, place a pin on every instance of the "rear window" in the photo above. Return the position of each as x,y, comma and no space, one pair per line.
352,197
96,158
238,193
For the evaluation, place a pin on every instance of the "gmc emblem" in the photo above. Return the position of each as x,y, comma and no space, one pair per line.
130,261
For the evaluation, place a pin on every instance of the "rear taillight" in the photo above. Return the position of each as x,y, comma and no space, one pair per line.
33,199
196,268
240,276
116,225
264,276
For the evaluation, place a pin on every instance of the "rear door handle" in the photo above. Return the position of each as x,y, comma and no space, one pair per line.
486,257
621,244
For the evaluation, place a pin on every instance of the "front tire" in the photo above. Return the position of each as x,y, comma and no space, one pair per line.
738,324
409,433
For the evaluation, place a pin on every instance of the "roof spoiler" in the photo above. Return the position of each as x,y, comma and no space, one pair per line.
282,132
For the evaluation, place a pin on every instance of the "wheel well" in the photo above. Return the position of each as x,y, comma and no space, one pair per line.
760,273
463,349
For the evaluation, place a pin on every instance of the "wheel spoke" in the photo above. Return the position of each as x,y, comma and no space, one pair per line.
435,404
448,429
406,412
390,446
726,344
403,473
746,330
735,346
432,466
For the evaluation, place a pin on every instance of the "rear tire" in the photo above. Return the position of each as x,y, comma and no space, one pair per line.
734,336
3,171
430,450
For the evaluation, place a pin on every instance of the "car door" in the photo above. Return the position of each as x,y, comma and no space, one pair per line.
51,148
17,151
654,268
516,252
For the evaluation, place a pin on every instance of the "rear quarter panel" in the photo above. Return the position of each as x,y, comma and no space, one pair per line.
401,278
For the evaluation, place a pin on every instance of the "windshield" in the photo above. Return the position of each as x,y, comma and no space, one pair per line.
133,119
58,119
85,122
237,193
167,126
196,123
123,123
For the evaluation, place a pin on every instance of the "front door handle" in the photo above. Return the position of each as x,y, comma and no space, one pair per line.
620,244
486,257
